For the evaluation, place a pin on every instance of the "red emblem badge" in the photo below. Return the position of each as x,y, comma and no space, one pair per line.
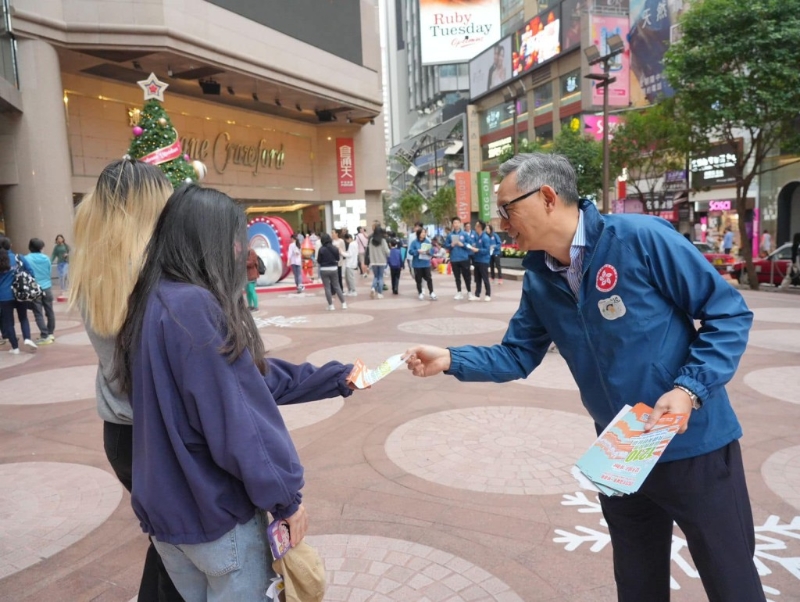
606,278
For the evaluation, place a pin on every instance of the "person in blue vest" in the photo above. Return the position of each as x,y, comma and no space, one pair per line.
481,260
619,295
421,252
472,240
497,253
459,245
43,306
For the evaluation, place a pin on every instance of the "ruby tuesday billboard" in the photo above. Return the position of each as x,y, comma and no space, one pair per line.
454,32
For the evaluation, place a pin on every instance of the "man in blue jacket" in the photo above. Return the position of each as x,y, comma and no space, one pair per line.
459,243
619,295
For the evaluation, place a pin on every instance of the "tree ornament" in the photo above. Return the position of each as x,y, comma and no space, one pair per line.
187,158
162,122
153,89
200,169
137,131
188,180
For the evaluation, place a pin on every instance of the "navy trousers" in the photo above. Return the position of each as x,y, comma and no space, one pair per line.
707,497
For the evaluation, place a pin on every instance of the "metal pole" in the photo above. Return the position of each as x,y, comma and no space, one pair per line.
606,158
516,147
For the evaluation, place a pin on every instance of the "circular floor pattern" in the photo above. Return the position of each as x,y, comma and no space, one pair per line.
64,324
552,373
331,319
452,326
371,353
784,315
9,361
509,450
507,308
46,507
386,304
781,473
370,568
778,340
499,293
75,338
50,386
273,342
302,300
298,415
780,383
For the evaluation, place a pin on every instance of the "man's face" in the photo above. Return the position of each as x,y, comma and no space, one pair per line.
456,225
467,227
527,219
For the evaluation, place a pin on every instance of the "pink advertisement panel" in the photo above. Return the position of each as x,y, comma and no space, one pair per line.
593,125
602,28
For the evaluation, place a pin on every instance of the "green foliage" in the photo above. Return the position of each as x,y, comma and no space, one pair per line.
523,146
156,136
735,74
586,155
410,205
650,143
442,205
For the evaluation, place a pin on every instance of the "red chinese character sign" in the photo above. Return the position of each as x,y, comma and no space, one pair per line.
346,165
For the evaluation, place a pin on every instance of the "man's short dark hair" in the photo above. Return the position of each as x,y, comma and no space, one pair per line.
36,245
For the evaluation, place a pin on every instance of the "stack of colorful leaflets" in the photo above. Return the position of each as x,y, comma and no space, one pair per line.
425,250
623,455
362,377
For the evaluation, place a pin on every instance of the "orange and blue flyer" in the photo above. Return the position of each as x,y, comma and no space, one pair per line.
362,377
623,455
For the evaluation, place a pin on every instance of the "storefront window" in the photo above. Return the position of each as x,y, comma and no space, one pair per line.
570,86
544,133
502,115
543,98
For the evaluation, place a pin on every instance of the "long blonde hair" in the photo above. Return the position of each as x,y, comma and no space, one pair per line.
113,224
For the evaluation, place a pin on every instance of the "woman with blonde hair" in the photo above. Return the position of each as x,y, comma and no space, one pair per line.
113,225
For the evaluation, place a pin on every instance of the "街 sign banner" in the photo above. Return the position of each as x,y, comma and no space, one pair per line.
346,165
455,32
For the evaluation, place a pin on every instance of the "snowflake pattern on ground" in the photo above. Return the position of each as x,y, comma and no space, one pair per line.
280,321
771,536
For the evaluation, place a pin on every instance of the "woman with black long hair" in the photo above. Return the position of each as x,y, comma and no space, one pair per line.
378,256
328,258
211,453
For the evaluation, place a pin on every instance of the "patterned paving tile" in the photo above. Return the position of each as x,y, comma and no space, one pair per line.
9,361
369,568
781,473
778,340
510,450
47,506
314,299
452,326
552,373
371,353
298,415
328,319
50,386
781,383
784,315
387,303
273,341
494,307
74,338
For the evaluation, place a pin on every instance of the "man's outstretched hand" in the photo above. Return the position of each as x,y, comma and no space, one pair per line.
427,360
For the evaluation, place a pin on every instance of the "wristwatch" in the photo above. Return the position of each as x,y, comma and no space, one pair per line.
696,403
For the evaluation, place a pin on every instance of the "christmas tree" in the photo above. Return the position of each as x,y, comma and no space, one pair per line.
155,141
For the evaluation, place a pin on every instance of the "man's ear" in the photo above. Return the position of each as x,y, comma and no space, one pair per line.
550,197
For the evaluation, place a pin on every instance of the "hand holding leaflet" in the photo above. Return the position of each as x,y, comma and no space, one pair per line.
362,377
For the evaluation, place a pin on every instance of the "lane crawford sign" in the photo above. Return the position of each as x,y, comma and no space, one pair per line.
222,152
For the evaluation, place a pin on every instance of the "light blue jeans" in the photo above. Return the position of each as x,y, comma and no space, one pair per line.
377,280
237,566
63,275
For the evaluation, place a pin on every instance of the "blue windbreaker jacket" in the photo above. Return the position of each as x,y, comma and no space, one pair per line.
413,250
630,334
483,244
458,253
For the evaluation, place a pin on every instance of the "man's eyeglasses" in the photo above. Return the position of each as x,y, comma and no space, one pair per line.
501,210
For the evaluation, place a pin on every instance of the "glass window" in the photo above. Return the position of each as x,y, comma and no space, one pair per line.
543,98
544,133
571,85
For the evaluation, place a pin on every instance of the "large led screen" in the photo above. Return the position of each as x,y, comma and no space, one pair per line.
537,42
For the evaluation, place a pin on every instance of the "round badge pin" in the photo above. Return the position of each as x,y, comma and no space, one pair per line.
606,278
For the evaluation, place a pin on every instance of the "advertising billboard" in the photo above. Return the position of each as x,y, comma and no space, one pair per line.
717,168
537,42
571,24
463,195
484,196
593,126
619,93
454,32
652,25
490,69
346,165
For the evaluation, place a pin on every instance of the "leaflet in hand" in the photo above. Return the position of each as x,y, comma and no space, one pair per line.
623,455
425,250
362,377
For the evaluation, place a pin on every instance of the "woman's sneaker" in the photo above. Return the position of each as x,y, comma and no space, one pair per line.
331,308
434,297
48,340
14,351
344,305
30,345
422,296
372,293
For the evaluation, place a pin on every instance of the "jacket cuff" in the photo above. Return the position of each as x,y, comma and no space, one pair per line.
281,512
693,385
455,362
344,388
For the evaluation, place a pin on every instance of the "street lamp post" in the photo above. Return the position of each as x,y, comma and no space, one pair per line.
615,47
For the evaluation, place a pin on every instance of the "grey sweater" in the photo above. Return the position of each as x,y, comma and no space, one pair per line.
112,404
378,254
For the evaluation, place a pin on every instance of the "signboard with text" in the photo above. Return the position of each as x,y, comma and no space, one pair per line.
602,28
455,32
463,195
490,69
346,165
484,196
717,167
537,42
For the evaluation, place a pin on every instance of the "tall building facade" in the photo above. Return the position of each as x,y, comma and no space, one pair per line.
300,78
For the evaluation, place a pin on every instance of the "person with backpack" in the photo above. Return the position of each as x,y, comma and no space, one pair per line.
43,306
10,263
252,276
395,262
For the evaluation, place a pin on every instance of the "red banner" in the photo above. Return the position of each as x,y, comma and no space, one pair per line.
162,155
463,195
346,165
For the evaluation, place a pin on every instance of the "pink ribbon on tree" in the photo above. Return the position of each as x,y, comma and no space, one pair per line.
163,155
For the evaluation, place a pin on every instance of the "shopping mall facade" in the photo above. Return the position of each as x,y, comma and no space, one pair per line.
267,108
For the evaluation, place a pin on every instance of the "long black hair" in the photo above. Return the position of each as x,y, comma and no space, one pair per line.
200,239
377,236
5,259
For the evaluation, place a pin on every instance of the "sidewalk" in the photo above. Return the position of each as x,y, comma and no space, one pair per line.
418,489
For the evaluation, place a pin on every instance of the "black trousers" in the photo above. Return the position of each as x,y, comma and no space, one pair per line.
421,274
494,260
156,585
395,279
461,269
707,497
482,275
